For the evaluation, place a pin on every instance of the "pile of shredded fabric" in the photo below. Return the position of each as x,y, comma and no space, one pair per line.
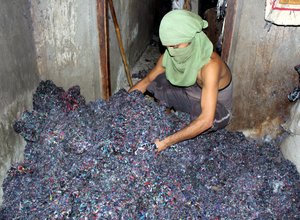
98,161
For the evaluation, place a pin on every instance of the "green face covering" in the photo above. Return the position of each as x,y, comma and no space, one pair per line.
183,64
181,55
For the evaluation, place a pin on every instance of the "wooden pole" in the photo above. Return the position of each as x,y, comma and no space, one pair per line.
113,14
104,77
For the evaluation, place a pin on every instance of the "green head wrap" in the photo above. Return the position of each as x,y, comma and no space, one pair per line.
183,64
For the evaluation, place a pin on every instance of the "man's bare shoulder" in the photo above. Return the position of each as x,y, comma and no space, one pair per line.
213,65
214,69
215,59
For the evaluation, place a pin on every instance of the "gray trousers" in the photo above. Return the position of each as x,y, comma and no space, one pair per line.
187,99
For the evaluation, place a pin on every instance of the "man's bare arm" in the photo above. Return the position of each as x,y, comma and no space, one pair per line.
144,83
205,120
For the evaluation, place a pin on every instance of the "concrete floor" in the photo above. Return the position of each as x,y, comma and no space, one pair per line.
146,62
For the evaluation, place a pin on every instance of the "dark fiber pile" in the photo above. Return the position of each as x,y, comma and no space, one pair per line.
97,161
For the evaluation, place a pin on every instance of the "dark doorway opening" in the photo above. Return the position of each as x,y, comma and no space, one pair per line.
213,11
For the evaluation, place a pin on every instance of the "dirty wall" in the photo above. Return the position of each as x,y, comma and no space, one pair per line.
18,77
136,20
66,39
262,58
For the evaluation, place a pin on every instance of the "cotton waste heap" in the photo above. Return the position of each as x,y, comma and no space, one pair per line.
97,160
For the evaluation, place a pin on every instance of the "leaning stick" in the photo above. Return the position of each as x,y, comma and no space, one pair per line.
113,14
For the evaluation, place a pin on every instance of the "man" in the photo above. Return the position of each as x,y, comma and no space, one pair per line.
189,77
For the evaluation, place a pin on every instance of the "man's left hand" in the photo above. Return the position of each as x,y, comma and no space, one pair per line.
160,145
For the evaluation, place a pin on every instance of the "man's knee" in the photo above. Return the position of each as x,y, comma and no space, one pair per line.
222,117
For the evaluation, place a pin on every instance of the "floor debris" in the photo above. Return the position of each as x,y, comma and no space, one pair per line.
97,160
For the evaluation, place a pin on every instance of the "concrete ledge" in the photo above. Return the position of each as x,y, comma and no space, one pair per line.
12,144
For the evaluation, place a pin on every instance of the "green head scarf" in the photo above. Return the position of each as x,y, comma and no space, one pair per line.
183,64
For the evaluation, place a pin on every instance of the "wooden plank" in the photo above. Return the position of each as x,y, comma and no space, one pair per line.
228,29
103,35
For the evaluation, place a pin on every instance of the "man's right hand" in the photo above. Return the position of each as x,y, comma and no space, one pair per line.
144,83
